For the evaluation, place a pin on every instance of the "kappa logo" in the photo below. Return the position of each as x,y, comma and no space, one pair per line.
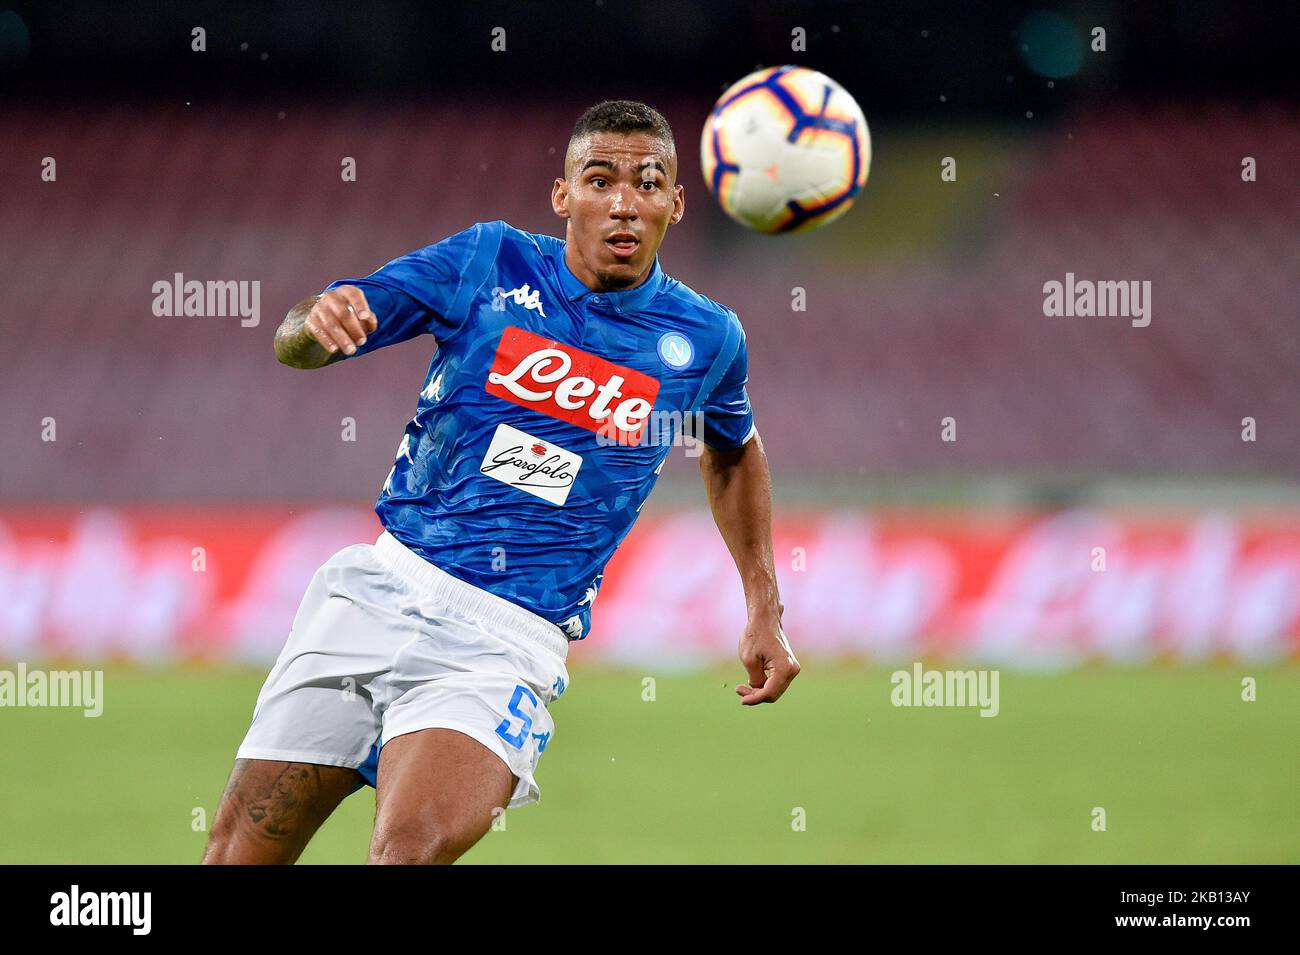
590,596
572,627
525,296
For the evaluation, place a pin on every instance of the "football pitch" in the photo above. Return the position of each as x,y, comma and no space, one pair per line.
1184,769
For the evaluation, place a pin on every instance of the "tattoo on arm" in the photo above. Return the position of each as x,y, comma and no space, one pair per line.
295,346
236,774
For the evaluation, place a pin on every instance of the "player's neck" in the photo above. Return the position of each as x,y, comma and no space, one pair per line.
588,277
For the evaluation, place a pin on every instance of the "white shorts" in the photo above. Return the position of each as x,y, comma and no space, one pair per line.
384,643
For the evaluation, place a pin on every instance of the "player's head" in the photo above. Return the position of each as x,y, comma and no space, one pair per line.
620,181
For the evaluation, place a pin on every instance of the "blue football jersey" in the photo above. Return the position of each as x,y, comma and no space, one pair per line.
547,411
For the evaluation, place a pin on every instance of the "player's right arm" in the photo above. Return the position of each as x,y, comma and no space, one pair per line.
324,328
425,292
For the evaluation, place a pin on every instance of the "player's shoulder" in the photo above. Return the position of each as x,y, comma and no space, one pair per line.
482,239
483,235
520,240
685,299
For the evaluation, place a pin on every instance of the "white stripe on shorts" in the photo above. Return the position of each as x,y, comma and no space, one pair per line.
496,613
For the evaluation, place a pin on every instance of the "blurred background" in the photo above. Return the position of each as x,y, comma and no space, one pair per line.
1106,514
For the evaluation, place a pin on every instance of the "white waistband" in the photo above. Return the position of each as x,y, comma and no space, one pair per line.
503,618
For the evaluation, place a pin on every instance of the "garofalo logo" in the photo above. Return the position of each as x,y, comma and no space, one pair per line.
540,468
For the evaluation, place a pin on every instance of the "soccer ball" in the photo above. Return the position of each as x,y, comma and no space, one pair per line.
786,149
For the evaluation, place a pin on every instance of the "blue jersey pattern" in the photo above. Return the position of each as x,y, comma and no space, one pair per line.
452,501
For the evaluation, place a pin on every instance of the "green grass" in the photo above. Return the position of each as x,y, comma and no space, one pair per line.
1186,771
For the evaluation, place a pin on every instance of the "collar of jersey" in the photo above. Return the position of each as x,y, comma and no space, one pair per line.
628,299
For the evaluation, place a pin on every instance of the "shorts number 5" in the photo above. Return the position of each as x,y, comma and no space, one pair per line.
520,737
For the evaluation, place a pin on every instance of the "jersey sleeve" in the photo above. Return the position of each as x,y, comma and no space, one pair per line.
728,418
428,291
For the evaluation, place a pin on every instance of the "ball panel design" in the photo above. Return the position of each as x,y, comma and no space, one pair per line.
786,149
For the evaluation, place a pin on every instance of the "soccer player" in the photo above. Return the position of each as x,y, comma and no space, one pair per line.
425,664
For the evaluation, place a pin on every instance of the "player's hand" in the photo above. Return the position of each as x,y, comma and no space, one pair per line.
340,320
768,660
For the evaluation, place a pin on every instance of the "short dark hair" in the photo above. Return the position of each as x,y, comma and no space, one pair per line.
623,116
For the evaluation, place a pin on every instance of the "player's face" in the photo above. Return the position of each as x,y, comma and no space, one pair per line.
620,195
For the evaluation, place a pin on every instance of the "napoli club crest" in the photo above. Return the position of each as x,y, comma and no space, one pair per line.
675,350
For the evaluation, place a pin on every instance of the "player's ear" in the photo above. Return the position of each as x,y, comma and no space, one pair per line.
679,205
560,198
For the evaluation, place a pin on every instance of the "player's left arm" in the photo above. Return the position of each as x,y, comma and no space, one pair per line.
739,487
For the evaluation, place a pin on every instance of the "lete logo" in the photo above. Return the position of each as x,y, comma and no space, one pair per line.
572,385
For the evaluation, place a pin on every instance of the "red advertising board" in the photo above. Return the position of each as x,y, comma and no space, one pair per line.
1020,588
